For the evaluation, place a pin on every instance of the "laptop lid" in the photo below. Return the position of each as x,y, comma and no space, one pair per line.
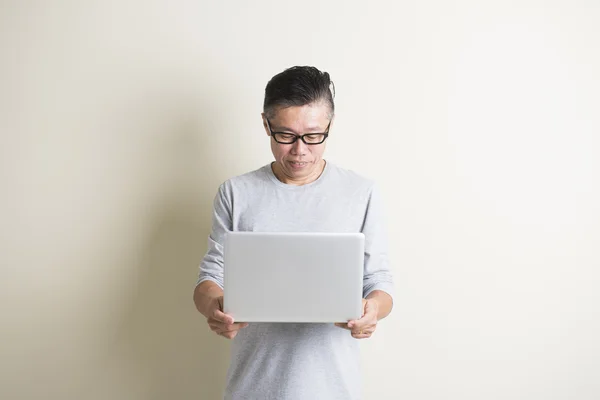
293,277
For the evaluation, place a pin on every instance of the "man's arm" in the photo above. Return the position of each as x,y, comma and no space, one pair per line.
377,278
376,306
208,295
205,295
384,303
377,281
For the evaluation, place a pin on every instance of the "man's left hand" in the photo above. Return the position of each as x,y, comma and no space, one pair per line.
364,327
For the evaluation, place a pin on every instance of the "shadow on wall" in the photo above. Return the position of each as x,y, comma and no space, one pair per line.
162,336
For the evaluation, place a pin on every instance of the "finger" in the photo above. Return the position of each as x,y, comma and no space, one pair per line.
222,317
230,328
361,334
370,310
342,325
228,335
364,307
362,322
358,325
352,323
370,316
368,319
364,327
216,325
237,326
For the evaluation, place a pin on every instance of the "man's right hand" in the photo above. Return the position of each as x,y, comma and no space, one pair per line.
219,322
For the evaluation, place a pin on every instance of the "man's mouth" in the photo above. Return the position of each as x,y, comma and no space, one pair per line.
298,163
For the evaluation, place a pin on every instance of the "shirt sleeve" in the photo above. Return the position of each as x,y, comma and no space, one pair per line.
211,267
377,274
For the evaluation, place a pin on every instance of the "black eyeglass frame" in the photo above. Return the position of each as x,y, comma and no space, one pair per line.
296,137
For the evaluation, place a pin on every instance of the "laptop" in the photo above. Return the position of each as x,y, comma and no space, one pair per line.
293,277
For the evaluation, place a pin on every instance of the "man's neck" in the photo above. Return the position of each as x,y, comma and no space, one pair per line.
313,176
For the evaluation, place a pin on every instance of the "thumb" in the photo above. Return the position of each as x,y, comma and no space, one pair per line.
371,307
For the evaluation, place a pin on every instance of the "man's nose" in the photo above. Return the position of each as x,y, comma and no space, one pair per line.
299,147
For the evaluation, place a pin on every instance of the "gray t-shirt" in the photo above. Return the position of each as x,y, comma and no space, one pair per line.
298,361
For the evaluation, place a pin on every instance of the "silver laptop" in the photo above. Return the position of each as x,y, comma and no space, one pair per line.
293,277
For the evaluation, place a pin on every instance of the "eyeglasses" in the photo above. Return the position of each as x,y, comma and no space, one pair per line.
308,138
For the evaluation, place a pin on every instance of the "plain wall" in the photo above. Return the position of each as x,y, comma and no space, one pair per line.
479,119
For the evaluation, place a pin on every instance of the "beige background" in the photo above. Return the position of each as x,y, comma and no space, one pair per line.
480,120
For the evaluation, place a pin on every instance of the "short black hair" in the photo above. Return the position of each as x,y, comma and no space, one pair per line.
298,86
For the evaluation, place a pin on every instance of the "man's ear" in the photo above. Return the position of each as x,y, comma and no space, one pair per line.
264,119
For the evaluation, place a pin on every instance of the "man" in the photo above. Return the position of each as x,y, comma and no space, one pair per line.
299,191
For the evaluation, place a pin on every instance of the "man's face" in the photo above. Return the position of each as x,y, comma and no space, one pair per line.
299,162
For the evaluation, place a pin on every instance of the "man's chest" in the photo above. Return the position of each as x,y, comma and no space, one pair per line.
323,212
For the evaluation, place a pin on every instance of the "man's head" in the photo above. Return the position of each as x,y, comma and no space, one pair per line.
298,101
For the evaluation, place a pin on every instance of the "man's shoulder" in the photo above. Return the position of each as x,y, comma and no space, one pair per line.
250,176
247,180
349,177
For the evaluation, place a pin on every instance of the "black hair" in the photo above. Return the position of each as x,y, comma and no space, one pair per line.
298,86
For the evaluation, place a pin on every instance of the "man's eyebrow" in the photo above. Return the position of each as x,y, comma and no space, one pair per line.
284,128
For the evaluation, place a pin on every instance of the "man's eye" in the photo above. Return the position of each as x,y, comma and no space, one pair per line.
314,138
286,136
